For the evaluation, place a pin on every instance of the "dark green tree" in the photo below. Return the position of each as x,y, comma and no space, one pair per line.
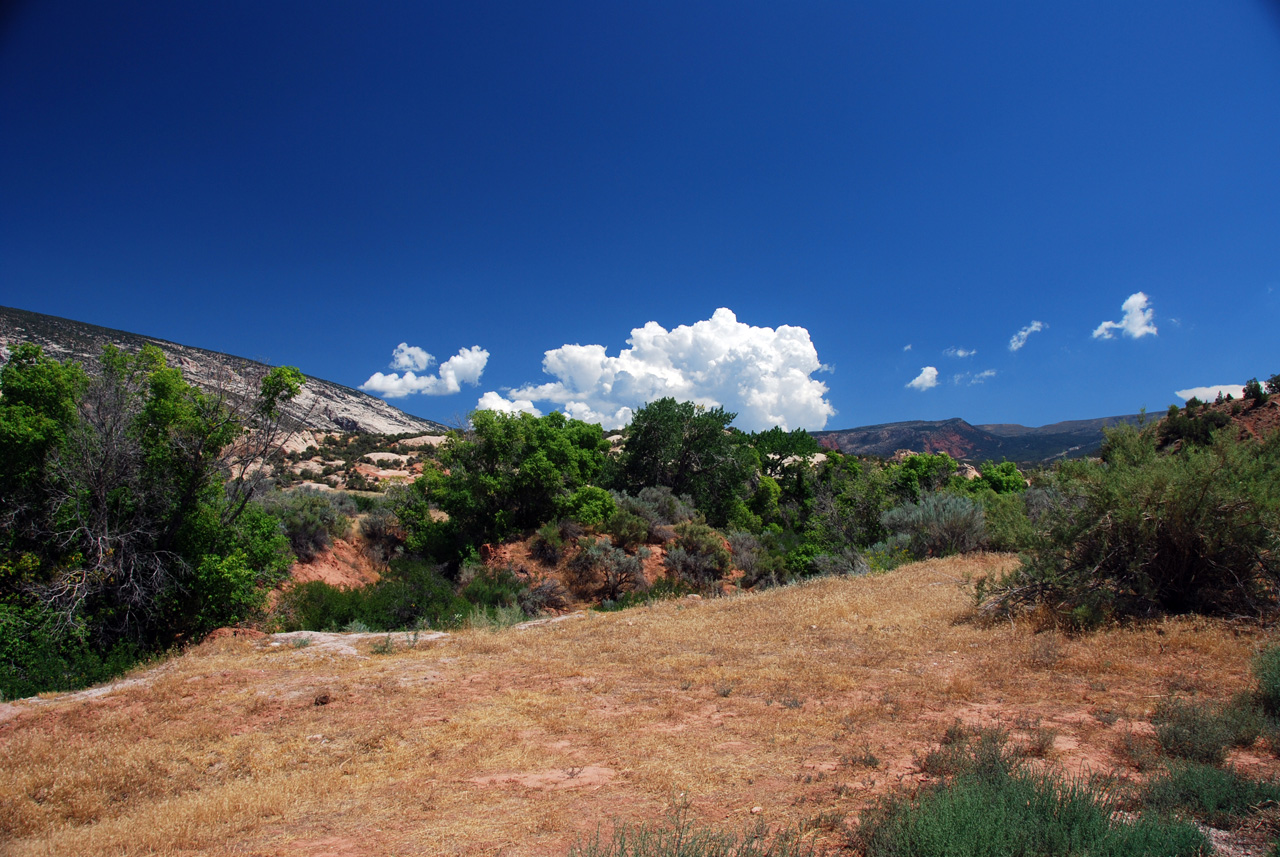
690,449
507,474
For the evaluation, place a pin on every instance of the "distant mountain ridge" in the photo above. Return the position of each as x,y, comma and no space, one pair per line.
966,442
322,406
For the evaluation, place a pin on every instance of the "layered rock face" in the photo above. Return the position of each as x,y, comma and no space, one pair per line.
323,406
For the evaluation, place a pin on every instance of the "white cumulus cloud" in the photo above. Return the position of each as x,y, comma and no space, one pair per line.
1019,339
495,402
926,380
1208,394
410,357
960,352
1136,322
760,373
982,376
465,367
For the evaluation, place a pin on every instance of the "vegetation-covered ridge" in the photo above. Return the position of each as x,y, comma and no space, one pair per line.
141,512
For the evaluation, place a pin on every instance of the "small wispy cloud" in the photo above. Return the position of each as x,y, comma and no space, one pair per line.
1019,339
1136,322
1208,394
926,380
907,347
960,352
465,367
973,377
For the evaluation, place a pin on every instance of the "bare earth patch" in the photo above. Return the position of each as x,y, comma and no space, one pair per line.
804,702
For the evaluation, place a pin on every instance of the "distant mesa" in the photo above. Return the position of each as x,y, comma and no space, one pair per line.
965,442
323,406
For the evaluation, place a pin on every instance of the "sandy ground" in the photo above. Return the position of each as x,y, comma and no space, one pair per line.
796,706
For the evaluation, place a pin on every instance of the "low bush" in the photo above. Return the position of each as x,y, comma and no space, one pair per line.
548,594
1019,813
494,587
311,518
940,524
1145,532
700,556
989,804
1266,670
1192,730
600,571
38,653
760,566
1217,796
383,534
547,546
590,506
412,594
663,589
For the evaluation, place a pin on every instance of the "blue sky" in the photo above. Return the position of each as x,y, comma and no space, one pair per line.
316,183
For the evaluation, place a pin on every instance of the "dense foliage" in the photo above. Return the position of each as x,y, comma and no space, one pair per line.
125,517
1143,531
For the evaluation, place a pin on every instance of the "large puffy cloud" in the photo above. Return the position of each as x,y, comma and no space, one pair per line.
465,367
926,380
1136,322
760,373
1019,339
1208,394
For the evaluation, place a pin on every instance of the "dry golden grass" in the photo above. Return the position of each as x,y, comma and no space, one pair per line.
520,741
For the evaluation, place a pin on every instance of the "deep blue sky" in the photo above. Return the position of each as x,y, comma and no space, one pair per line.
313,183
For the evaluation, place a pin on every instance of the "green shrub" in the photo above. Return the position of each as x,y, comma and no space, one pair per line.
312,518
1192,730
700,556
1018,812
1008,525
382,532
590,506
412,594
939,525
38,654
548,594
759,565
1144,532
317,606
600,571
1266,670
547,546
494,587
629,530
663,589
1216,796
987,804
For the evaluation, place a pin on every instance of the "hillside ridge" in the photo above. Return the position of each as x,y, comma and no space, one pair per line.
968,442
322,406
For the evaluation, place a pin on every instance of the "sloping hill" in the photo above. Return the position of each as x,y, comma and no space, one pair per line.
322,406
967,442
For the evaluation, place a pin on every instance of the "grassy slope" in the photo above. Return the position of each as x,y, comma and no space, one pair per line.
522,740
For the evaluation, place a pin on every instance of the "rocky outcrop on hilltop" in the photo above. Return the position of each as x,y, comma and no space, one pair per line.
323,406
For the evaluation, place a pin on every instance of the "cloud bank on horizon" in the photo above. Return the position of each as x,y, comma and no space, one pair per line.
465,367
1210,393
761,373
1136,322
